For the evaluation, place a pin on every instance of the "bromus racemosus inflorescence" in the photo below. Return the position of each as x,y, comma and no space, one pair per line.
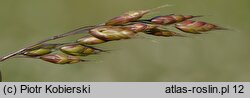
125,26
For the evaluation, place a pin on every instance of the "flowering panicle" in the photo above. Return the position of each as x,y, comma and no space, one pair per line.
125,26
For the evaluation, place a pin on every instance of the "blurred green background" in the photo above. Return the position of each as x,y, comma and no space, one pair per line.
216,56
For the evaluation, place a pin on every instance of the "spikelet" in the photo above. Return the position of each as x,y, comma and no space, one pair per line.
171,19
164,33
126,17
79,50
130,16
40,50
61,59
107,33
110,33
140,27
89,40
196,27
